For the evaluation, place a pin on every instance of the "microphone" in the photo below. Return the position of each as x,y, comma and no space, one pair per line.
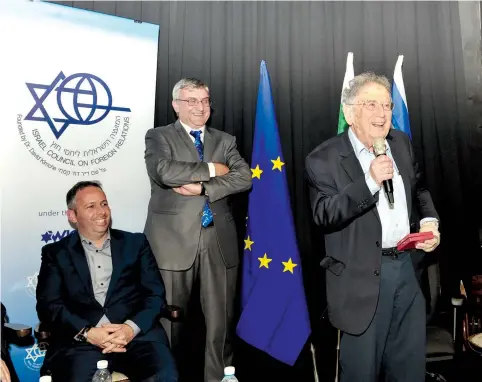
379,148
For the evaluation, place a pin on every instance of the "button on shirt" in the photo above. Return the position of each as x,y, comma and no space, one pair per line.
99,261
394,220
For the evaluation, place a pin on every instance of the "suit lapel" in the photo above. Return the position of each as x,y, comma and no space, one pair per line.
209,145
116,248
79,259
187,140
402,169
351,165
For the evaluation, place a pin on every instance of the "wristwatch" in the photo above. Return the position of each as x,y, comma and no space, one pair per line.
82,335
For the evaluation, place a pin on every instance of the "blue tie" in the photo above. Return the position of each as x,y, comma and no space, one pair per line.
207,216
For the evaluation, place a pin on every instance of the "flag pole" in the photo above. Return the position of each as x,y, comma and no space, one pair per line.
337,356
313,356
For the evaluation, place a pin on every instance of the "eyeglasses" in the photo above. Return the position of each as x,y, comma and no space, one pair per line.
194,102
374,105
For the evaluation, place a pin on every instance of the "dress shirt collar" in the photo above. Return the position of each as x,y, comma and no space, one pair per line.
86,241
358,147
189,129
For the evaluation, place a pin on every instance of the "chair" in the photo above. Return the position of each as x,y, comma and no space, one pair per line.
18,334
440,340
472,319
171,312
119,377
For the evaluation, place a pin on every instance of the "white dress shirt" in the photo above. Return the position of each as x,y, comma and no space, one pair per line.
212,170
394,219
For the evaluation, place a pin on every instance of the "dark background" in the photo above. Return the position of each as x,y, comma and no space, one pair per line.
305,45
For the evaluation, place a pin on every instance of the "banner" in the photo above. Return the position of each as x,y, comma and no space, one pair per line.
78,95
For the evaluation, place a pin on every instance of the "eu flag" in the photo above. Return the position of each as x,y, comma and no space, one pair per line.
274,314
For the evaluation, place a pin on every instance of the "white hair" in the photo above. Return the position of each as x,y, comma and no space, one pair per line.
354,86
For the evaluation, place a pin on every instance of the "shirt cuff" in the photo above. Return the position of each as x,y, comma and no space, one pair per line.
428,220
134,327
371,184
212,170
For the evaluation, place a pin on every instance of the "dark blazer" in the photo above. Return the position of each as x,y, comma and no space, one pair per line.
65,298
173,224
343,205
4,345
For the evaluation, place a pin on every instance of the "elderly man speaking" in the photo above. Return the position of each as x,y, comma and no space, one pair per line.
373,292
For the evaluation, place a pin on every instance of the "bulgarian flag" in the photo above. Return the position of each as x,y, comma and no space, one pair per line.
349,74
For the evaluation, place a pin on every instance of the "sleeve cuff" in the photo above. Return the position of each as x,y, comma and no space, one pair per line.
134,327
212,170
371,184
428,220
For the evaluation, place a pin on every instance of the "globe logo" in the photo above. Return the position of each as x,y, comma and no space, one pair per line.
82,99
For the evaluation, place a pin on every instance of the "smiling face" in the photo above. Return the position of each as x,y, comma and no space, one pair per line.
91,212
193,116
369,124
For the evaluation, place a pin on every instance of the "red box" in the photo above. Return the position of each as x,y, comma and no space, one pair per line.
411,240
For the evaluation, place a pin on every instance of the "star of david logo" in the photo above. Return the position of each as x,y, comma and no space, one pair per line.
80,93
32,281
36,351
46,237
31,286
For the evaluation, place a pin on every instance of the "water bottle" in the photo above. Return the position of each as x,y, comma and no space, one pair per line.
45,378
229,374
102,374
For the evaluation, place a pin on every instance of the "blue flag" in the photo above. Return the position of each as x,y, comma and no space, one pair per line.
400,120
274,314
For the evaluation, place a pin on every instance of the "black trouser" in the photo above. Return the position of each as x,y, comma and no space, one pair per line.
394,343
142,362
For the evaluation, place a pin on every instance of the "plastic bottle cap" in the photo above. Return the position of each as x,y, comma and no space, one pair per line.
229,370
45,378
102,364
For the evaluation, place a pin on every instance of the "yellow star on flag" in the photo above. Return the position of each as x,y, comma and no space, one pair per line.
277,164
289,265
248,243
264,261
256,172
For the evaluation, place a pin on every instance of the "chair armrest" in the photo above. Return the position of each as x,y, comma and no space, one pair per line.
172,313
41,332
14,331
17,334
457,301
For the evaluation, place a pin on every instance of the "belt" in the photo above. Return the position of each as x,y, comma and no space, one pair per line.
393,252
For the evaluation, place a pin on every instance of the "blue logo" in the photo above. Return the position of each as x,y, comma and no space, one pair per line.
51,236
82,99
35,356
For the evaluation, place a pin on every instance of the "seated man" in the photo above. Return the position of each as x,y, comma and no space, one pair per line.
101,294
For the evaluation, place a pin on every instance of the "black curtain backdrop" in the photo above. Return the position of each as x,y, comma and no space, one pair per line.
305,45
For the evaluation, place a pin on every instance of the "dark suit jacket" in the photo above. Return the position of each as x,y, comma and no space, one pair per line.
173,223
343,205
65,298
4,345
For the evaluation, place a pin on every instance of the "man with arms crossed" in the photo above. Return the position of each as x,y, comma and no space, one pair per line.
193,170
